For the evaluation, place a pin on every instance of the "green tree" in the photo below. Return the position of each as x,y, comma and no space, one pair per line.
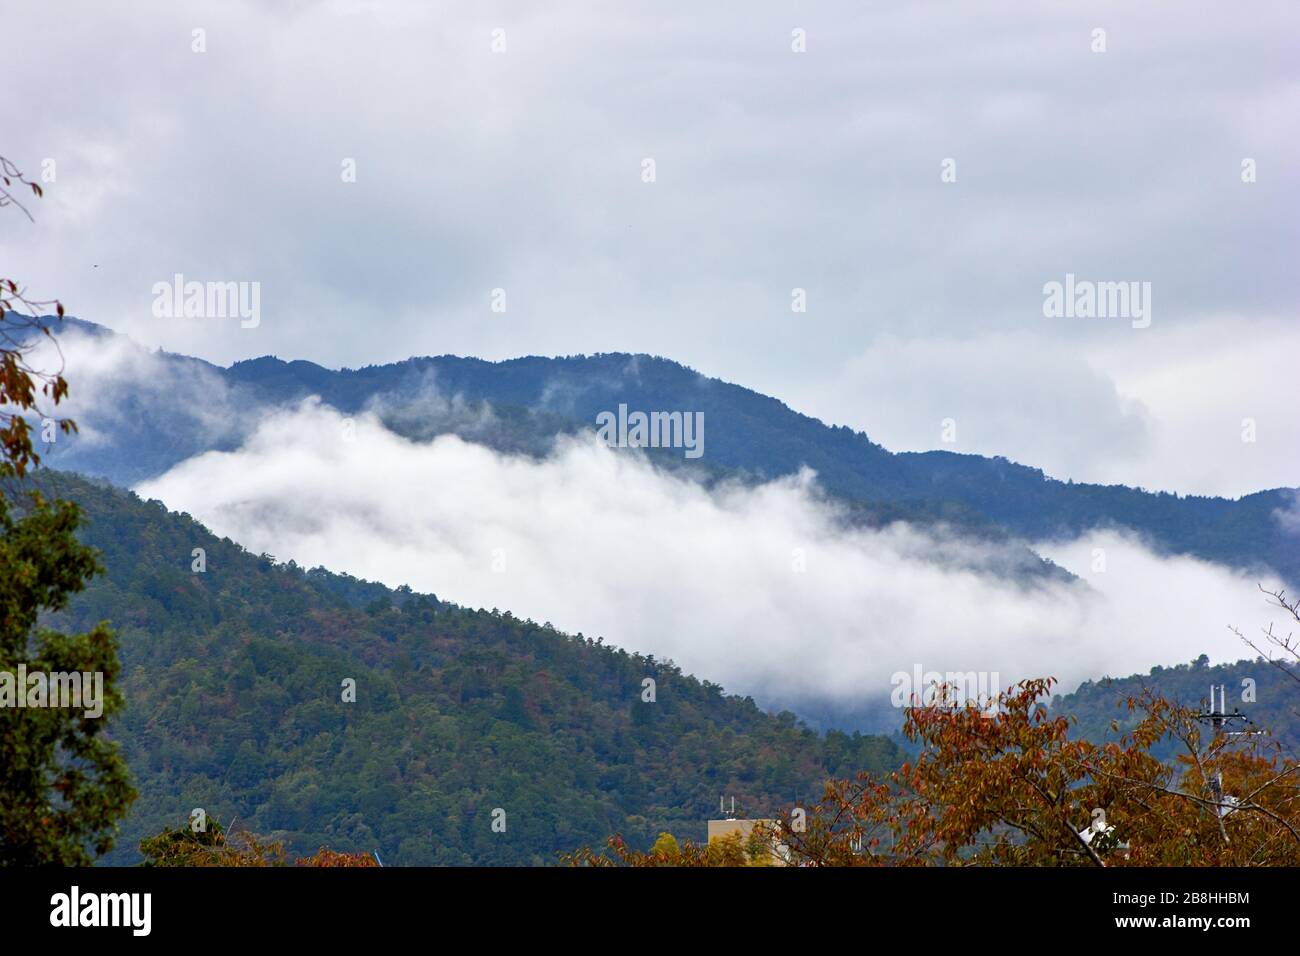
666,846
63,784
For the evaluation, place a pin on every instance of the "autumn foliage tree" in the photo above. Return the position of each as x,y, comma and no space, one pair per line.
1012,786
23,384
734,849
1017,789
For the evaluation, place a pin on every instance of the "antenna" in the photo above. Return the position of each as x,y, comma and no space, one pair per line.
1221,718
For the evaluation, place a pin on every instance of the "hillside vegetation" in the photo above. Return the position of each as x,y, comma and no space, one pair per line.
233,680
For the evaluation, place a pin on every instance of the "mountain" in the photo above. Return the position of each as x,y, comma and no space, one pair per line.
1267,693
234,678
185,406
234,673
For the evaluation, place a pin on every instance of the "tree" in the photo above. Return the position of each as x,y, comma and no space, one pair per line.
333,858
64,784
1015,789
210,846
666,845
21,331
213,846
734,849
1286,643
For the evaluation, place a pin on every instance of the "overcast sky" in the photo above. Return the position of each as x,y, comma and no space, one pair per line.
523,170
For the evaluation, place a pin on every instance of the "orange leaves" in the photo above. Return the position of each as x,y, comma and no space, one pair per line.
19,389
325,857
1017,790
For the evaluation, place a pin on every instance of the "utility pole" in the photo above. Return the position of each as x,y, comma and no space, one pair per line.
1219,720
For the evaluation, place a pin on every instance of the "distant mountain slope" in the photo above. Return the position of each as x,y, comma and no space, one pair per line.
233,680
745,433
1268,694
761,436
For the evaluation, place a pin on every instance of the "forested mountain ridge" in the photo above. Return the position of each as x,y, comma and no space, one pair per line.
520,405
233,678
1267,693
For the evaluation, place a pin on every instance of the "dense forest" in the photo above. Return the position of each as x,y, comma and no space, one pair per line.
1267,693
234,683
237,672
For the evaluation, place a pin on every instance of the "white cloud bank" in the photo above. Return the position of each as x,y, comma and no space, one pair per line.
601,543
113,380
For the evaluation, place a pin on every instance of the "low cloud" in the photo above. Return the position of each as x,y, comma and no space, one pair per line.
601,542
1289,517
113,381
422,409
